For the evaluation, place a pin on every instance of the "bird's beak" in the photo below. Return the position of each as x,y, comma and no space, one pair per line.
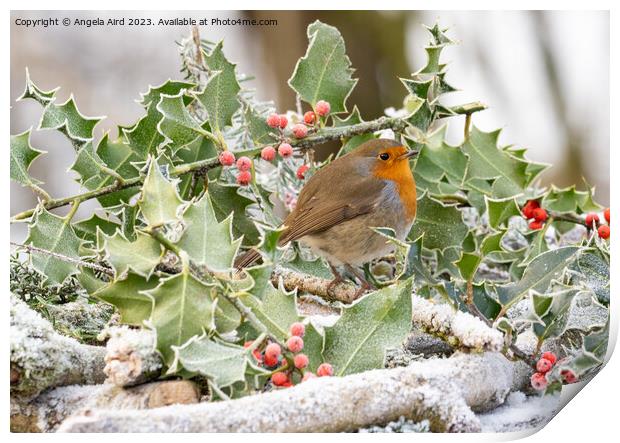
407,155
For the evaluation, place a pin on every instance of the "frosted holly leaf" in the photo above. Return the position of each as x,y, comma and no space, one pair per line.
500,211
418,87
34,92
141,255
169,87
87,229
277,310
68,119
22,155
325,72
224,364
446,261
358,341
420,113
259,130
538,275
182,308
351,143
219,96
593,274
438,159
570,200
314,342
226,316
206,240
550,311
160,200
176,123
492,243
226,200
126,295
487,161
442,226
468,265
55,234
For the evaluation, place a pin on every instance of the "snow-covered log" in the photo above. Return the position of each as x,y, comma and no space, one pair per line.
41,358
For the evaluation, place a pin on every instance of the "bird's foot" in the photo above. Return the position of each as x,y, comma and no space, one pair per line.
365,285
338,278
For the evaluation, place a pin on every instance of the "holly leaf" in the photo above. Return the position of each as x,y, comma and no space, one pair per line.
141,255
177,124
169,87
359,339
437,159
593,274
314,342
207,241
160,200
277,310
22,155
219,96
87,229
126,296
34,92
68,119
257,126
324,73
55,234
570,200
501,210
551,312
442,226
182,308
227,200
351,143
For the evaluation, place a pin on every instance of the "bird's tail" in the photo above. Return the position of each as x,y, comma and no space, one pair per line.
247,259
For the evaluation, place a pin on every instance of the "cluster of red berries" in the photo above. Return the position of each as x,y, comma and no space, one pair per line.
272,358
543,366
533,212
310,118
593,220
244,166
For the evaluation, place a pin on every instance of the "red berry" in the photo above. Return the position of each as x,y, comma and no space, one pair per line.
244,178
279,379
544,365
273,120
297,329
301,171
300,130
539,214
227,158
268,153
301,361
285,150
308,375
568,376
270,360
603,232
309,118
535,225
529,207
539,381
244,164
295,344
322,108
592,218
259,357
283,121
606,214
273,349
549,356
325,370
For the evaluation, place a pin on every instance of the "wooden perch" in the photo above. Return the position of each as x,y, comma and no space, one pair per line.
444,391
41,358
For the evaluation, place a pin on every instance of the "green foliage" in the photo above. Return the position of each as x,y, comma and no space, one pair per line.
22,155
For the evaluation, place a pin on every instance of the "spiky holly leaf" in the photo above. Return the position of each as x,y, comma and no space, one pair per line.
22,155
501,210
176,123
141,255
277,310
442,226
55,234
259,130
325,72
182,308
169,87
351,143
34,92
438,159
219,96
367,328
569,200
537,275
550,312
67,118
593,274
126,295
87,229
314,342
468,265
227,200
160,200
224,364
207,241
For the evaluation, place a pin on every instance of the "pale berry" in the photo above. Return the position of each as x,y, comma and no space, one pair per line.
295,344
603,232
244,163
544,365
325,370
283,121
539,214
535,225
285,150
539,381
273,120
297,329
592,218
300,130
322,108
279,379
301,171
244,178
268,153
227,158
273,349
309,118
301,361
549,356
606,214
568,376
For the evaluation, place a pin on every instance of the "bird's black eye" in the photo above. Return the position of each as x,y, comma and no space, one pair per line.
384,156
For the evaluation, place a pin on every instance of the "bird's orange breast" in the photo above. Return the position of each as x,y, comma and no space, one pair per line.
400,173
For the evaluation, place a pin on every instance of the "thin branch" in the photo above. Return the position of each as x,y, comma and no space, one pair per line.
30,249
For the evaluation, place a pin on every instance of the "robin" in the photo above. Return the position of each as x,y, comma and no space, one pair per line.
369,187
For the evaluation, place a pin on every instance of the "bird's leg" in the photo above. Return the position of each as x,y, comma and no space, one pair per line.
338,278
365,284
